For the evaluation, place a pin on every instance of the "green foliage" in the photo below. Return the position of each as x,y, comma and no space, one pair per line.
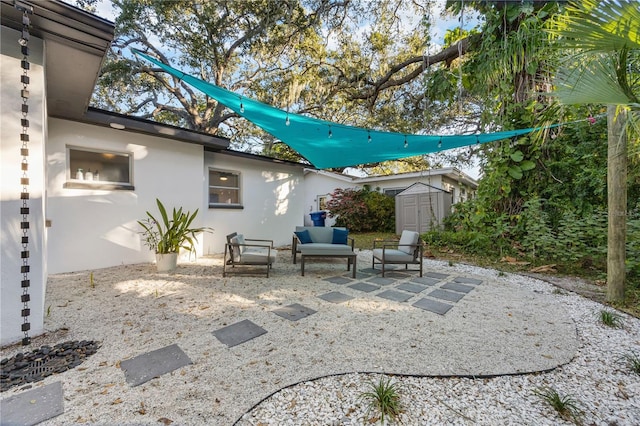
542,232
384,398
632,360
610,319
362,210
566,406
169,235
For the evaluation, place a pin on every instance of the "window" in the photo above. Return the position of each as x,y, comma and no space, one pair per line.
392,192
98,169
224,189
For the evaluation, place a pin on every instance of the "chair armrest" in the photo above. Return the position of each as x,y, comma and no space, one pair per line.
387,243
262,245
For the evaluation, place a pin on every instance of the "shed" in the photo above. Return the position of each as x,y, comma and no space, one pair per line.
421,207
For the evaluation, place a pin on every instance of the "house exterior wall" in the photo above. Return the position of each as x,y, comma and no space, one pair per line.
271,196
95,228
10,187
318,185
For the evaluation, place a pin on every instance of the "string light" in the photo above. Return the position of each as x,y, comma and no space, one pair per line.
241,107
477,139
369,136
406,144
440,143
330,132
287,121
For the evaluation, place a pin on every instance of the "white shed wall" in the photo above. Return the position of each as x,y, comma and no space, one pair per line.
10,187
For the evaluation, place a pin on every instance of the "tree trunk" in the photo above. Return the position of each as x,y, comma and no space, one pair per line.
617,201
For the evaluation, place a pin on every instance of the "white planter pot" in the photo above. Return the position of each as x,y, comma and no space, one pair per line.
166,262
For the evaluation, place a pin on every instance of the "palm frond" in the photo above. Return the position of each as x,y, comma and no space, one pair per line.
591,80
599,25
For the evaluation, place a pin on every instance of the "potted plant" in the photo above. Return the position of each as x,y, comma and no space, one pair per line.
167,235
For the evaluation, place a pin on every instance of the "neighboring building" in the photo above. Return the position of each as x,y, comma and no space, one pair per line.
319,185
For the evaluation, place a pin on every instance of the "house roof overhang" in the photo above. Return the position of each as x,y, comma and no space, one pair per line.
130,123
76,43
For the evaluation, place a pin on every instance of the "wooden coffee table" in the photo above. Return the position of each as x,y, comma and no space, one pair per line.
311,253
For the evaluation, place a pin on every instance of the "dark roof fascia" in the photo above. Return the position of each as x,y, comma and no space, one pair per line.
106,118
250,156
57,20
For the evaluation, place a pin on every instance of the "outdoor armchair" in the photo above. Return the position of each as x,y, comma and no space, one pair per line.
240,251
404,252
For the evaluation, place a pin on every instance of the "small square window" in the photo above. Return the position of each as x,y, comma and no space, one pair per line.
98,169
224,189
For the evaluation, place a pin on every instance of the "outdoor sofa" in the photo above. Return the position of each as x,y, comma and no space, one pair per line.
332,241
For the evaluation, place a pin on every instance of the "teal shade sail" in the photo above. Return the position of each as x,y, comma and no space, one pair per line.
332,145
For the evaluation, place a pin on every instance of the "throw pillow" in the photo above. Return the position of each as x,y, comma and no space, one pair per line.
304,237
340,236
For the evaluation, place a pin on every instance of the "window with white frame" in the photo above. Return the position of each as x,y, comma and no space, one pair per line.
93,168
224,189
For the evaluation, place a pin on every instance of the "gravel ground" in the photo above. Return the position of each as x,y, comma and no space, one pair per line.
313,371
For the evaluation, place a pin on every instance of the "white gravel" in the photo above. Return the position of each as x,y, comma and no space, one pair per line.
312,372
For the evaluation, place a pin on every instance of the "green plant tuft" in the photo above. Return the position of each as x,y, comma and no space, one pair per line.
91,282
610,319
566,406
384,398
633,361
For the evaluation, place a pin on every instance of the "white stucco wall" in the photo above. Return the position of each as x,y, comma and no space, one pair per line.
93,228
10,188
271,196
318,184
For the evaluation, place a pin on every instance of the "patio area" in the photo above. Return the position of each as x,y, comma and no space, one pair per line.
231,342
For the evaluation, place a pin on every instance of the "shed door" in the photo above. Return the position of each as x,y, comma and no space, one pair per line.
406,213
428,211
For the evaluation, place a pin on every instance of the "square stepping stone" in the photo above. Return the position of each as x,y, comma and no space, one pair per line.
142,368
369,271
381,281
413,288
436,275
433,306
449,296
294,312
396,296
367,288
425,280
466,280
33,406
335,297
461,288
238,333
338,280
396,274
359,275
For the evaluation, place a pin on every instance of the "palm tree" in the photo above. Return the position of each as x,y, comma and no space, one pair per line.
603,67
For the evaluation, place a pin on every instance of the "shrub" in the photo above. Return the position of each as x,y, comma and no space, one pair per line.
362,210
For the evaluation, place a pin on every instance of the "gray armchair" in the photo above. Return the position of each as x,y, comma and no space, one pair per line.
407,251
240,251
